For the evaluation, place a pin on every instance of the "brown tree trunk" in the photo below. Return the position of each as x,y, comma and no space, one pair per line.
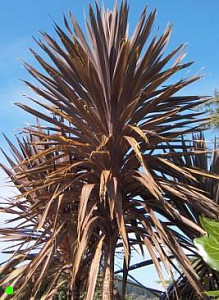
74,294
108,276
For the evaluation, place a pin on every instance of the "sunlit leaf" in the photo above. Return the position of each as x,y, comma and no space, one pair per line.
208,246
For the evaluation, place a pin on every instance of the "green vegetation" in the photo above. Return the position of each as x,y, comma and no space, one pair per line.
208,247
212,107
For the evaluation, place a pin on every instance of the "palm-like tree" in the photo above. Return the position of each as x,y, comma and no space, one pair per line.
99,173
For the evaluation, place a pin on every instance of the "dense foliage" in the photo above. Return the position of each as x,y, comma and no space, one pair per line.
212,108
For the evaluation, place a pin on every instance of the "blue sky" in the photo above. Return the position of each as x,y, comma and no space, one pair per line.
195,22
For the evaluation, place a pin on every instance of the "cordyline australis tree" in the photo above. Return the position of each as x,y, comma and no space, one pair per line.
100,171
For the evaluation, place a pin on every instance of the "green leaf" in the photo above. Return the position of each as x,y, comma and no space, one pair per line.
210,226
208,245
213,293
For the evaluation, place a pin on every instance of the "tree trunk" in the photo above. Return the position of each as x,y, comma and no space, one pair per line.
74,294
108,276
